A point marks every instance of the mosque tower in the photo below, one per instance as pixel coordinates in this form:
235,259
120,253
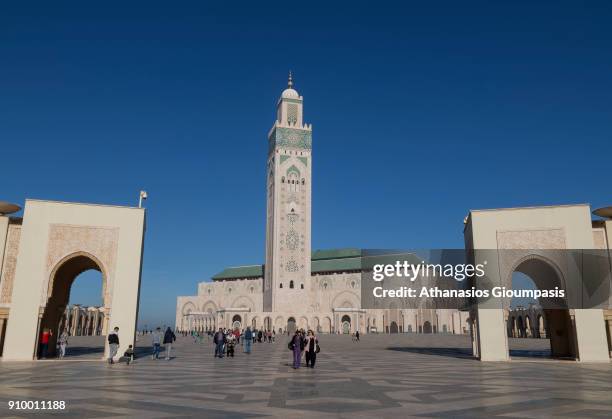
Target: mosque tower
288,212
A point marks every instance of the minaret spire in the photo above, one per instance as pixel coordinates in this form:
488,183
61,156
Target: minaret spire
290,81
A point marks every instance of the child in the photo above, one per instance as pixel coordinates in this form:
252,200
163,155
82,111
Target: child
129,355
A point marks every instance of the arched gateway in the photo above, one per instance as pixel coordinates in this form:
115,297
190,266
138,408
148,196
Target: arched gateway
57,241
527,240
58,292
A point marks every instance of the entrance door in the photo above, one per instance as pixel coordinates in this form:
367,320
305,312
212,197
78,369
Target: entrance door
291,326
236,322
346,324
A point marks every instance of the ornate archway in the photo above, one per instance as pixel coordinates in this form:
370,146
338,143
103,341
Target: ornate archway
538,242
236,322
58,295
267,323
60,240
345,324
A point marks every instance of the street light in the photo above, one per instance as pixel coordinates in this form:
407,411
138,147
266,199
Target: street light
143,196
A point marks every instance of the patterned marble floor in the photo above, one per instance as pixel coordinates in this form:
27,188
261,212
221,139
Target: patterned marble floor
424,376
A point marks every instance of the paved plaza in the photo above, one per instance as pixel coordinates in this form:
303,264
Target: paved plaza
381,376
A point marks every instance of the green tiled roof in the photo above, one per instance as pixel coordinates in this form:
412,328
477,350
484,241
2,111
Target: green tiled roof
332,260
336,265
250,271
336,253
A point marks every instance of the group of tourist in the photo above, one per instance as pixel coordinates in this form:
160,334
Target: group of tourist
62,343
157,339
225,341
167,339
304,343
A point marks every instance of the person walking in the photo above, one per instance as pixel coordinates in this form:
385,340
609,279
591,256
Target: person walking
357,336
248,340
311,345
113,344
63,342
169,338
297,346
219,341
156,340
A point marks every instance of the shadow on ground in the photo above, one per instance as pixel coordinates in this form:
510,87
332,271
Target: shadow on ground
529,354
448,352
84,351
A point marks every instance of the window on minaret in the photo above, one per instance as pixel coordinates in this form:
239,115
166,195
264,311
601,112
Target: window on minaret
294,181
281,285
290,284
292,114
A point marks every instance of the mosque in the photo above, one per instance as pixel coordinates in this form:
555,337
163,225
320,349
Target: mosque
558,246
296,287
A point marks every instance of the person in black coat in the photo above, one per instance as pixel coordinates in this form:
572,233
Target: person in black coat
169,338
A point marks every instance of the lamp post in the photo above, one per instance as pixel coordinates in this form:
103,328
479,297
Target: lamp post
143,196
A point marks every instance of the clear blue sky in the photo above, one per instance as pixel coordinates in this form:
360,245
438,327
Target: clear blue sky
420,110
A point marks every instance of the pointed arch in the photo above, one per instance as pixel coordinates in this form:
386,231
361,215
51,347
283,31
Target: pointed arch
77,263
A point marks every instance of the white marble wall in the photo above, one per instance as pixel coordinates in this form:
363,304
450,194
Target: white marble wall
329,298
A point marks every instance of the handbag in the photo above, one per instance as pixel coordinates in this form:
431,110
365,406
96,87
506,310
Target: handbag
290,346
318,348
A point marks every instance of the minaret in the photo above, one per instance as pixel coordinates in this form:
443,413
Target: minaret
289,168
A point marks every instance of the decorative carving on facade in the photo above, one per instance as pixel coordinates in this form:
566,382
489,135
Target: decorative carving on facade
290,138
100,242
10,263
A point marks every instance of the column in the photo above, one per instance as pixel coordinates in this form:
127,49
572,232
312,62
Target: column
474,335
105,324
96,323
608,323
75,321
2,324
